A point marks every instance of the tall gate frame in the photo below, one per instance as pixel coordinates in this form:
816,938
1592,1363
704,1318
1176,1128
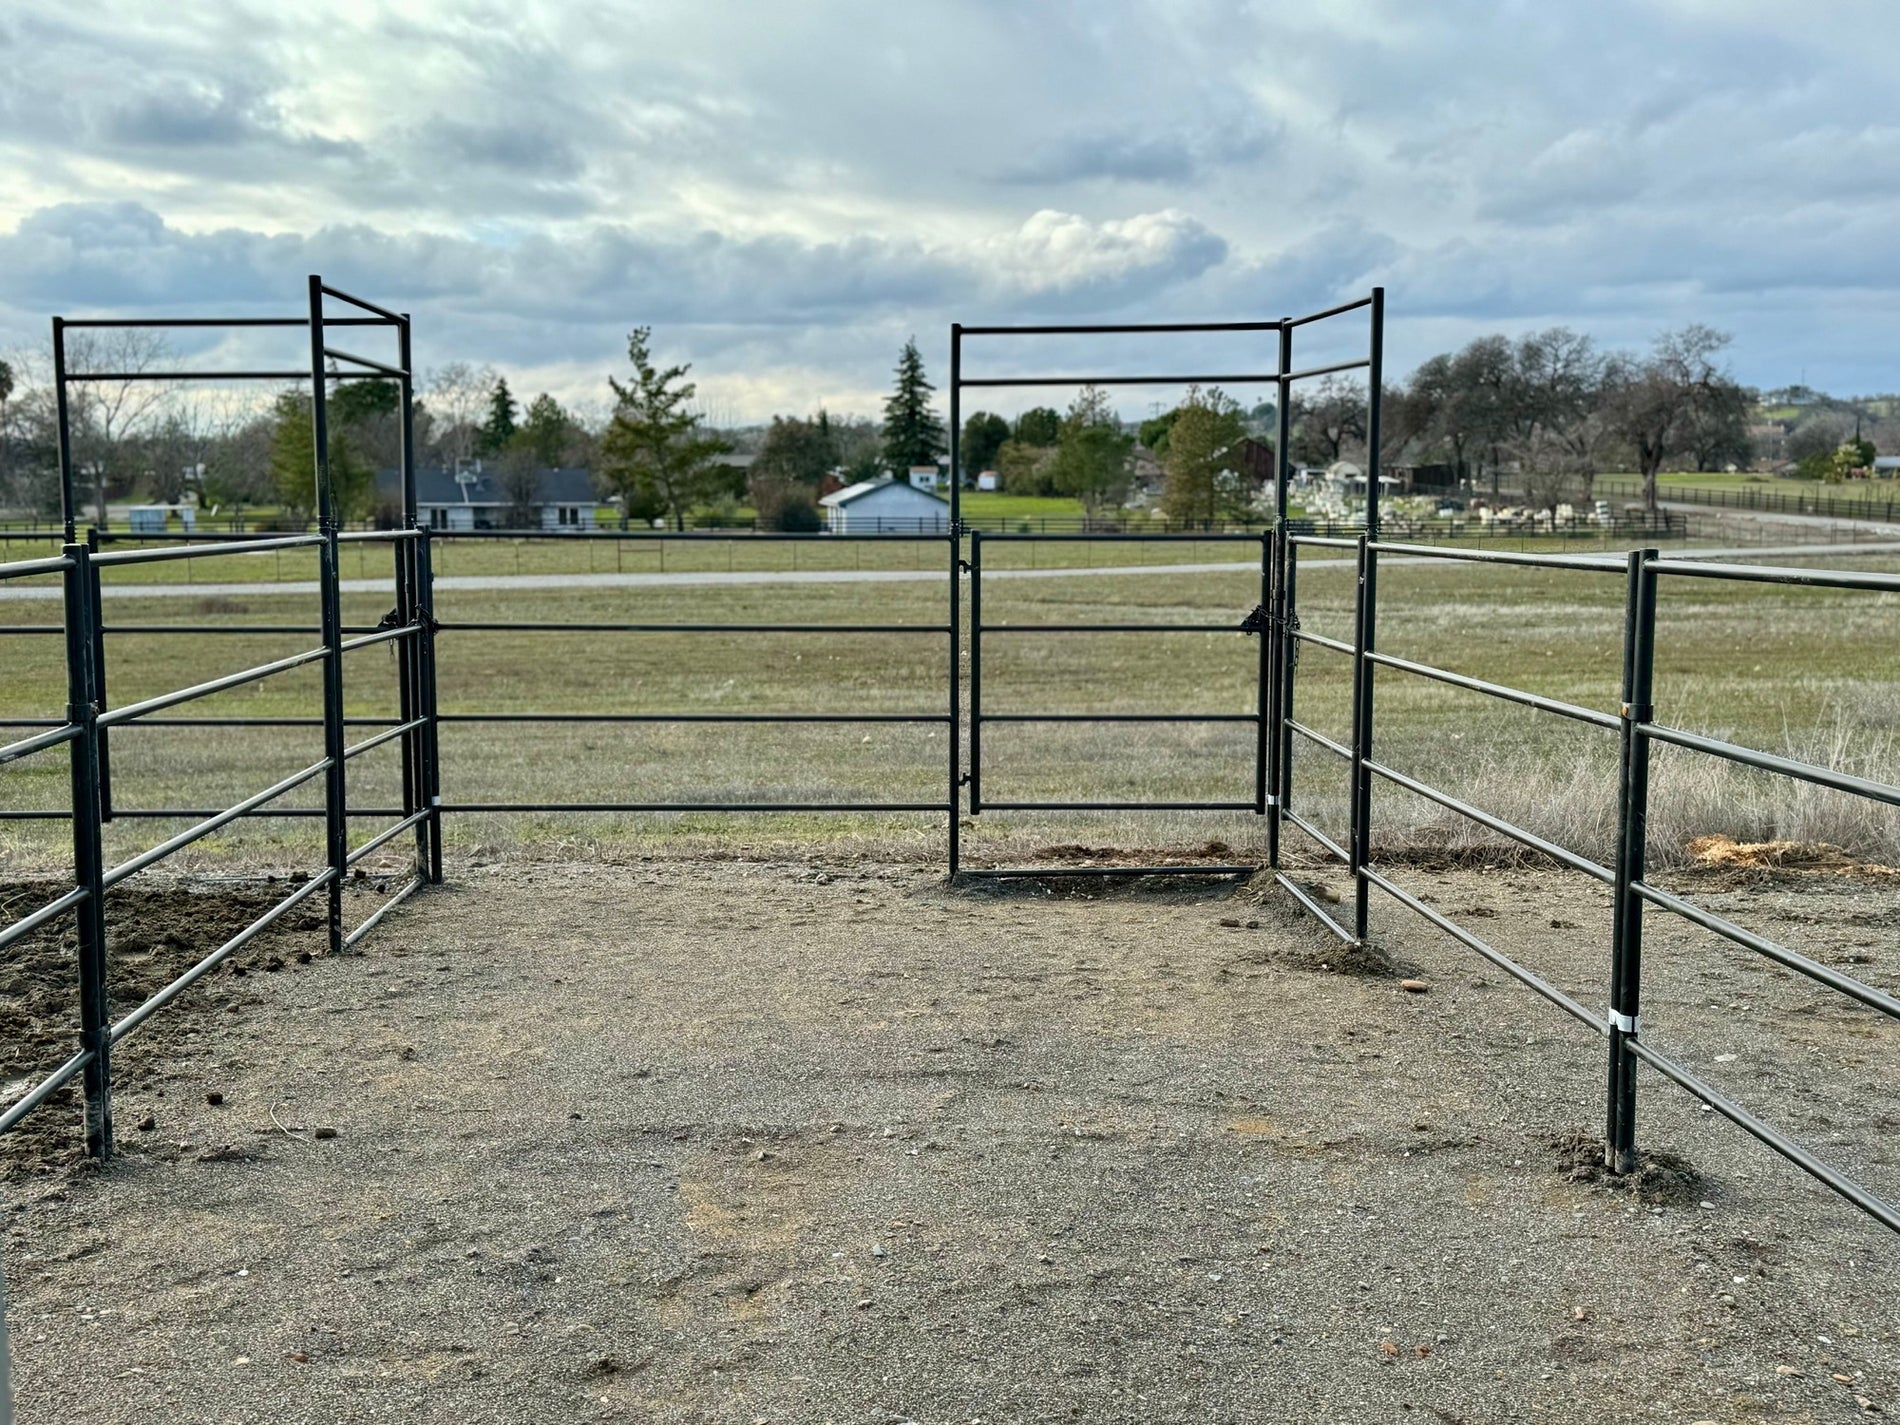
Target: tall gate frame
1268,777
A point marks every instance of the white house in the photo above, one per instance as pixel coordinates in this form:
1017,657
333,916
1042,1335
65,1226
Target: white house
886,506
925,477
989,480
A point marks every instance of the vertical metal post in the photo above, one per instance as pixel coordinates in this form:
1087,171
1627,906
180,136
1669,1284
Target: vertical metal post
6,1357
431,748
1375,381
82,709
1289,661
99,695
63,422
1359,840
956,592
976,672
1632,841
1264,703
1280,604
335,786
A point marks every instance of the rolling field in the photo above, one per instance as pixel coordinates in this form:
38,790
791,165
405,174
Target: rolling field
1806,671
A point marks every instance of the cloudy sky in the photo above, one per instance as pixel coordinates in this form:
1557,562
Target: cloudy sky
786,191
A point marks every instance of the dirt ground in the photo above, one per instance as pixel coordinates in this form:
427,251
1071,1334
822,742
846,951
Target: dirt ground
694,1141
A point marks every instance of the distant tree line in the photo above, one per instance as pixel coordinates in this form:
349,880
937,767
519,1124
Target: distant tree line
1546,412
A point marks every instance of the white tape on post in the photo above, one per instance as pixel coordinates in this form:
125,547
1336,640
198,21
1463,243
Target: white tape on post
1624,1022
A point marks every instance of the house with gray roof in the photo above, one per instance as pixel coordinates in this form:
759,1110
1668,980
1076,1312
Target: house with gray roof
563,499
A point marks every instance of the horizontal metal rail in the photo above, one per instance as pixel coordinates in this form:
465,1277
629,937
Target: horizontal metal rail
1122,329
217,957
1780,574
384,635
1881,1211
1332,846
27,924
706,536
112,558
1000,873
1321,316
210,824
381,536
387,735
233,721
989,805
376,917
1496,823
1228,627
28,568
1120,717
45,1089
695,717
458,626
27,746
661,807
1119,537
1497,690
246,375
388,834
1589,563
132,711
183,323
1339,749
1252,378
380,367
354,301
1320,640
1360,365
179,813
1322,541
1313,907
1495,956
1762,945
1769,762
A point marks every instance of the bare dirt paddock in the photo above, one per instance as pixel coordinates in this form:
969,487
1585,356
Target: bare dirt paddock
738,1142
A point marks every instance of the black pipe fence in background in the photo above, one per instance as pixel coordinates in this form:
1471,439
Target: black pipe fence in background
1830,501
1635,725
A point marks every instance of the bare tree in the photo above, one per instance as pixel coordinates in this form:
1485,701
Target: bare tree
457,396
107,415
1648,403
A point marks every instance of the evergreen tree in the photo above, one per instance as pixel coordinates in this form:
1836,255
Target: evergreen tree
654,452
1092,455
500,427
293,464
1039,425
547,431
912,433
983,436
1203,454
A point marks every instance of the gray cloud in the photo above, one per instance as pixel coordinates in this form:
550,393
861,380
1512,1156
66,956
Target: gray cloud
793,189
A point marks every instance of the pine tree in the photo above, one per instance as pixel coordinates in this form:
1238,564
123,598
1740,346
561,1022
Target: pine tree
912,433
654,452
1203,453
293,464
500,427
547,430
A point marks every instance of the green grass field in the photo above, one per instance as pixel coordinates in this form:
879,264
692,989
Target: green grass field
1781,668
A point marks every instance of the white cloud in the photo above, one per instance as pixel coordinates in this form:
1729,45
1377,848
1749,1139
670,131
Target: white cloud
787,192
